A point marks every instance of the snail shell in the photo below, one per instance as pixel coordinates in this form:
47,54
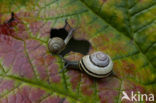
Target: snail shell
56,45
98,65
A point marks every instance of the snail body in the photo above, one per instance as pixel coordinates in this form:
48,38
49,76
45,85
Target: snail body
97,65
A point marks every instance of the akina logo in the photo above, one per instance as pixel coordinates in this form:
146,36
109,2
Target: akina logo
137,96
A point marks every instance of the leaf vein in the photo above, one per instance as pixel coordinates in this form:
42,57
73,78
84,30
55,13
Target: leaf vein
143,10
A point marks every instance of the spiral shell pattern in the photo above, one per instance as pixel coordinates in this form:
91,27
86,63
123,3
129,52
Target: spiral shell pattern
99,59
56,45
98,65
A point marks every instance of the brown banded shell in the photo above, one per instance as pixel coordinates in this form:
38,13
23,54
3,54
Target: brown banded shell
56,45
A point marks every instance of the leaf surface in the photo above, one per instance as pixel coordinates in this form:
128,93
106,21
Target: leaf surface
126,30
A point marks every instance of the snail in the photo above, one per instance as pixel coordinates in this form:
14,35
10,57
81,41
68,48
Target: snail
57,44
97,65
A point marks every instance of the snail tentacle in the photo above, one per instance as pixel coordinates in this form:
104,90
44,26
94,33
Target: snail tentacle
63,68
70,34
66,23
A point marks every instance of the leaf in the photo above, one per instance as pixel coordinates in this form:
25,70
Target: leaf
123,29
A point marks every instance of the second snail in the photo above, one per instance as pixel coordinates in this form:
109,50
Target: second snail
57,44
98,64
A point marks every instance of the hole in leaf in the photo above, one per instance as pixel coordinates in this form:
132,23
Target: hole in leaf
80,46
62,33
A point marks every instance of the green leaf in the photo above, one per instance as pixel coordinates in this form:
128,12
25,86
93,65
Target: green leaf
124,29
